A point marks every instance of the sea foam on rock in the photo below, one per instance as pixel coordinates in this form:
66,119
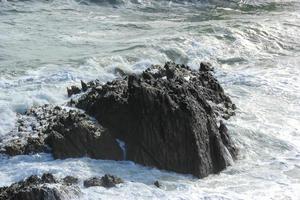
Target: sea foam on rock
48,187
39,188
65,133
107,181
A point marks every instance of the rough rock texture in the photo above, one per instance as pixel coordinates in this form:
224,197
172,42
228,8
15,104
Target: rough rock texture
36,188
73,135
33,145
47,187
73,90
167,118
27,137
65,133
107,181
70,180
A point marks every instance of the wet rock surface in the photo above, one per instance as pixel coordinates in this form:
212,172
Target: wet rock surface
70,180
28,135
48,187
65,133
157,184
74,135
73,90
167,118
107,181
39,188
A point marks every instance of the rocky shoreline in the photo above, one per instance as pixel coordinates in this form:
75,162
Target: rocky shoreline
49,187
167,117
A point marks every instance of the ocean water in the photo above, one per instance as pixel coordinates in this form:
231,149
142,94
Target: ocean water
254,45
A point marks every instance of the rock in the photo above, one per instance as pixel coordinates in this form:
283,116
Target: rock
107,181
95,181
13,149
32,145
84,86
35,145
226,139
71,103
25,138
70,180
67,133
167,118
74,135
157,184
35,188
48,178
120,72
205,67
73,90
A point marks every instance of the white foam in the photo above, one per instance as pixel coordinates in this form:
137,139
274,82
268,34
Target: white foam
256,59
123,147
187,78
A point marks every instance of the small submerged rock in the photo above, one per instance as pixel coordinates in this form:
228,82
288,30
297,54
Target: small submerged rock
157,184
107,181
48,178
70,180
39,188
47,187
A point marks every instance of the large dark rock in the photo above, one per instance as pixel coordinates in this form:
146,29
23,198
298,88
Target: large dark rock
107,181
167,118
36,188
74,135
65,133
